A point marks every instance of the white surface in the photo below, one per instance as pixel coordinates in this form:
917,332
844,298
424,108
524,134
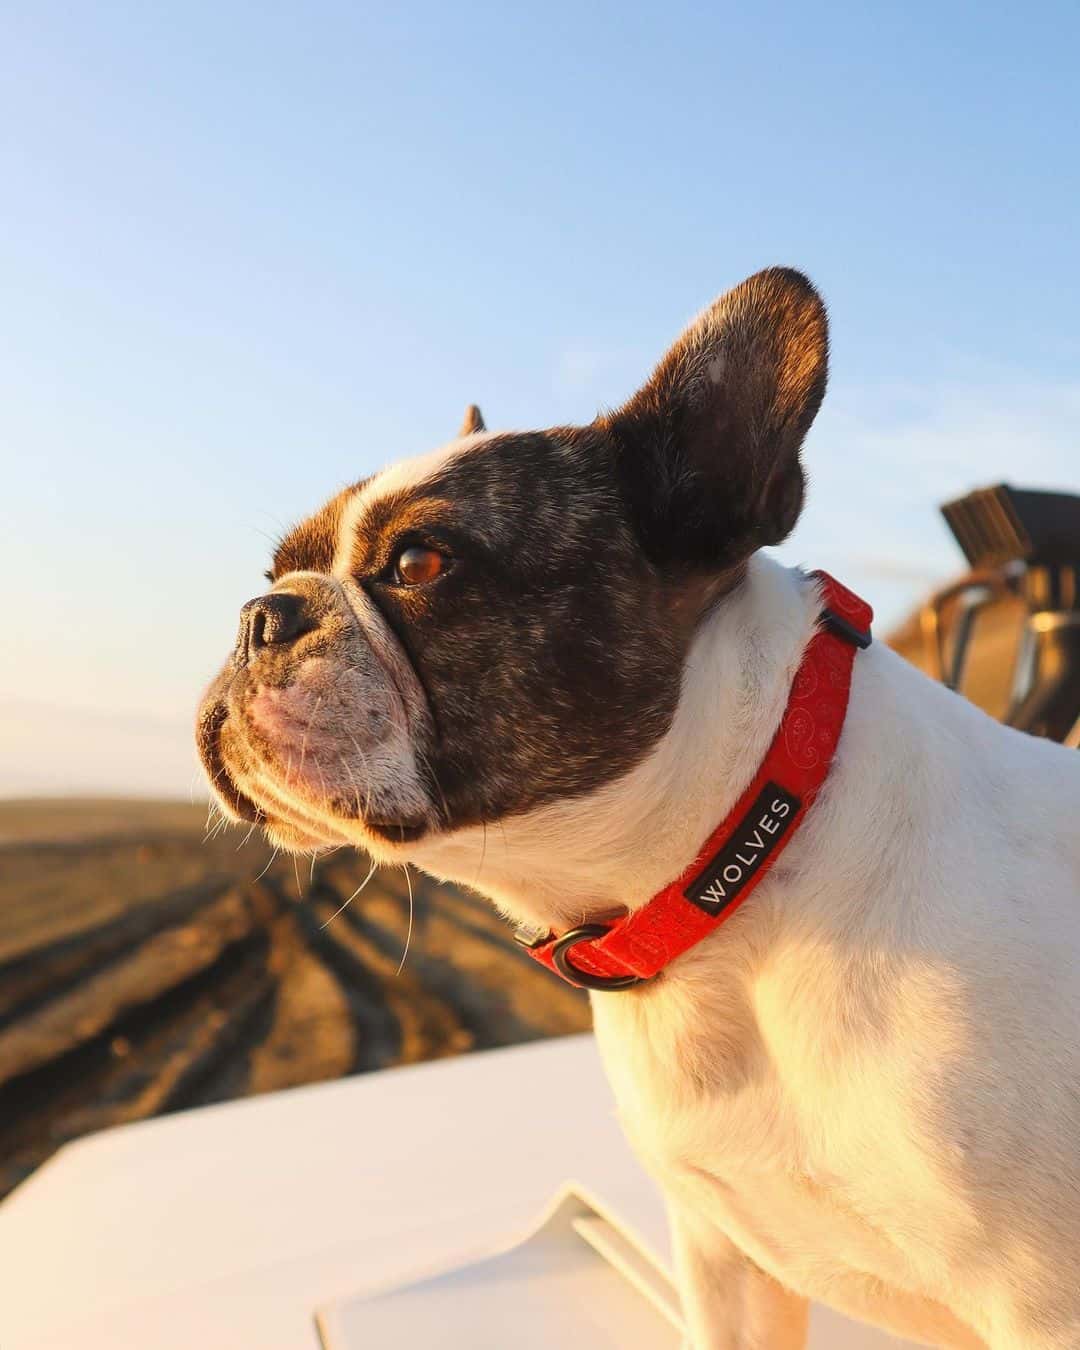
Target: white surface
227,1227
576,1279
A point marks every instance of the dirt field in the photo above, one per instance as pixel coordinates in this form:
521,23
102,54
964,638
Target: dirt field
143,970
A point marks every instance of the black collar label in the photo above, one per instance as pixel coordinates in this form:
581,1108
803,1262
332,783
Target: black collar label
768,820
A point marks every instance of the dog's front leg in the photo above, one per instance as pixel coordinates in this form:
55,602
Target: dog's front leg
729,1303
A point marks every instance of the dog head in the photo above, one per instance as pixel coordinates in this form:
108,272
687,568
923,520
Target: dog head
502,624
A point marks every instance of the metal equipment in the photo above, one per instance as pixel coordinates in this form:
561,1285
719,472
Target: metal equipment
1024,545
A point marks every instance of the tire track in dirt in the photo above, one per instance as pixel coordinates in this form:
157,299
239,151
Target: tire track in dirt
148,971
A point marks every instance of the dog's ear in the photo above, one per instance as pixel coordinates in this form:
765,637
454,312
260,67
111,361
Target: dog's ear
473,422
708,450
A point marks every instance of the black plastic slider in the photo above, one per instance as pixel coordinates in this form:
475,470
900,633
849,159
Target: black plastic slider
842,628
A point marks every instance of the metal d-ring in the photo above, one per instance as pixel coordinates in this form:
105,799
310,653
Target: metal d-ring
560,956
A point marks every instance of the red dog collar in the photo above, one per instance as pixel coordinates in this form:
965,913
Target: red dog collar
739,852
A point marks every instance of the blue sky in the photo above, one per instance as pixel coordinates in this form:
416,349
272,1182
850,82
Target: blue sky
250,252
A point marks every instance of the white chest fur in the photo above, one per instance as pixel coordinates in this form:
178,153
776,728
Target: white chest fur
869,1078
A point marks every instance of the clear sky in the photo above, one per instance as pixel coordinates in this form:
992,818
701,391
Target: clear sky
249,252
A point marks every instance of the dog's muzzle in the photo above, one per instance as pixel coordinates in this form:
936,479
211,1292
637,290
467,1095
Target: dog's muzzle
317,718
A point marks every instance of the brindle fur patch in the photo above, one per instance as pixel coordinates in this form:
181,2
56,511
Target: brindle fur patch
551,650
309,546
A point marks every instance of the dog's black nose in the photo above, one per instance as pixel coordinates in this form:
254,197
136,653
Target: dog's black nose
271,620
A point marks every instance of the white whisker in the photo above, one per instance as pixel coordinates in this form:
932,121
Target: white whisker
213,818
307,733
367,773
268,865
217,829
246,837
408,935
356,787
341,908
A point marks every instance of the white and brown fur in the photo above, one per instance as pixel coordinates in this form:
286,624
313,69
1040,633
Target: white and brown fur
865,1087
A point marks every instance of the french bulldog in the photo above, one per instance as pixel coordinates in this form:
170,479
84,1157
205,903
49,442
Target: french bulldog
545,665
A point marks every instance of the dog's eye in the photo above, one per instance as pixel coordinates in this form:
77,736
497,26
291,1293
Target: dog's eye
417,565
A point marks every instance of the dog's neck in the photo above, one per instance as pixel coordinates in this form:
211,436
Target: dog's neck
614,849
